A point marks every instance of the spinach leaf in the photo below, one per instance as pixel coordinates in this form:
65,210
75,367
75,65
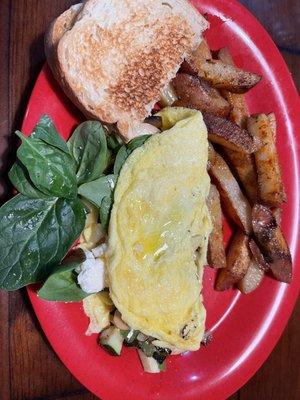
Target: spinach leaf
105,209
100,193
62,284
51,170
126,150
114,142
20,178
121,157
46,131
89,148
35,235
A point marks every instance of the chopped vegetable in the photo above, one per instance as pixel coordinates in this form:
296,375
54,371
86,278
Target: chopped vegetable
111,340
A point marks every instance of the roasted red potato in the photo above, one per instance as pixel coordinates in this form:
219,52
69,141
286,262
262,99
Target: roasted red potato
224,76
216,248
270,186
234,201
272,243
239,110
238,261
228,134
194,92
252,279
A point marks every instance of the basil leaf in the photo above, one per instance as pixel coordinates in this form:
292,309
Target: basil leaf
126,150
51,170
20,178
36,234
97,191
62,284
46,131
89,148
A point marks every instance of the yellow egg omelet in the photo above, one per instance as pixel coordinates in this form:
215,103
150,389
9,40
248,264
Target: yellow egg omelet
158,232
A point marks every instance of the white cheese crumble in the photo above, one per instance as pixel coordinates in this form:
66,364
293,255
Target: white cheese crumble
92,275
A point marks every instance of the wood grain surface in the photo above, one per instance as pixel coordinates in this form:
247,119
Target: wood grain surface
29,369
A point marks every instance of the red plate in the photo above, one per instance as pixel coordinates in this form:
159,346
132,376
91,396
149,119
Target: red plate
245,328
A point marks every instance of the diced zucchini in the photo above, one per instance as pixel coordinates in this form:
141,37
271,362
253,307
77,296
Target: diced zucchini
130,335
150,364
147,348
112,340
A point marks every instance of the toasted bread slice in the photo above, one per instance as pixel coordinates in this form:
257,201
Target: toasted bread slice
119,56
56,31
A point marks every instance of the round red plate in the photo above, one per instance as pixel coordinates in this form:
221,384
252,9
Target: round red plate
245,328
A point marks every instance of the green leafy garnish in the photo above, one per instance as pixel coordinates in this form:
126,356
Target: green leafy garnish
88,147
100,193
51,170
20,178
46,131
62,284
126,150
36,234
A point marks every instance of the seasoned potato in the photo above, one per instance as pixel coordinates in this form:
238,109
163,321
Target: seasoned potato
258,256
243,164
238,261
232,198
216,248
244,167
239,110
228,134
272,242
270,186
194,62
224,76
202,52
196,93
277,212
252,279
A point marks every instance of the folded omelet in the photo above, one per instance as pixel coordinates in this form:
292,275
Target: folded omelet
158,232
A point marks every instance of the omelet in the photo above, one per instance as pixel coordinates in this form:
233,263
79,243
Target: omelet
158,232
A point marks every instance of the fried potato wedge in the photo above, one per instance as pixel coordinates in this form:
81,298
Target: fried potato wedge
228,134
258,256
270,186
216,248
224,76
272,242
277,212
238,261
234,201
202,52
195,60
243,164
194,92
239,110
244,167
252,279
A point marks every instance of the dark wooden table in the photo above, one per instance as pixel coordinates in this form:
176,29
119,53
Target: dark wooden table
29,369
